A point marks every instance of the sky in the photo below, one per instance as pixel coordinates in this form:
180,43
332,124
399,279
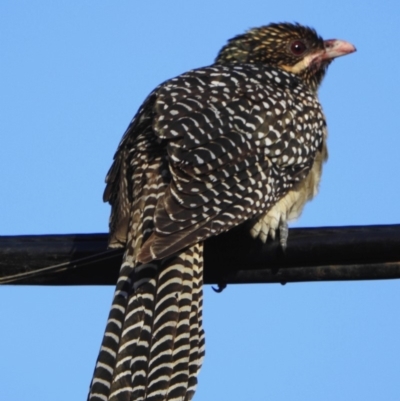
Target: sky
72,75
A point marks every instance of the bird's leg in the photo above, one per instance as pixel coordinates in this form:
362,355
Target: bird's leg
283,233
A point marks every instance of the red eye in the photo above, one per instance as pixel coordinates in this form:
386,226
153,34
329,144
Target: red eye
298,48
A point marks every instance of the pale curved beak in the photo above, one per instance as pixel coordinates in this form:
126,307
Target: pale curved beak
336,48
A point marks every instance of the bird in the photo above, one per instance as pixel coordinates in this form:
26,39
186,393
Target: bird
242,140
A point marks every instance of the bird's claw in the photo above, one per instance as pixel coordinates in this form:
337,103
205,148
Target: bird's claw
220,288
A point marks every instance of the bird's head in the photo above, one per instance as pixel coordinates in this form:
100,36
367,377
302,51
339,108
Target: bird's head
292,47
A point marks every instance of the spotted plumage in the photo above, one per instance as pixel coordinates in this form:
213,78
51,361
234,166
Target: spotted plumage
243,139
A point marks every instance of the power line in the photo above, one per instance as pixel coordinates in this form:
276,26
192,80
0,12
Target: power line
313,254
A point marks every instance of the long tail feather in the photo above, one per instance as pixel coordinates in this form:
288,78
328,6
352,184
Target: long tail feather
153,346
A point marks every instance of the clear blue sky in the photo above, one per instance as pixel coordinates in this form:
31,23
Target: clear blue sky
72,76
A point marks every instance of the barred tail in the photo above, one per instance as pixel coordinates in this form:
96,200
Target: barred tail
153,346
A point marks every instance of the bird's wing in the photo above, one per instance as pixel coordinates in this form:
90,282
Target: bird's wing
134,170
237,138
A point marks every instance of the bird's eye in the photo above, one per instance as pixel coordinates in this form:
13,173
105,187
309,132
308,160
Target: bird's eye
298,47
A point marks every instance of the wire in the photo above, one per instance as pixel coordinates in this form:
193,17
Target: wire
14,278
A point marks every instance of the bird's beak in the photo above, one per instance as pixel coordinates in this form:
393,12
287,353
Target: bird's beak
336,48
333,48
